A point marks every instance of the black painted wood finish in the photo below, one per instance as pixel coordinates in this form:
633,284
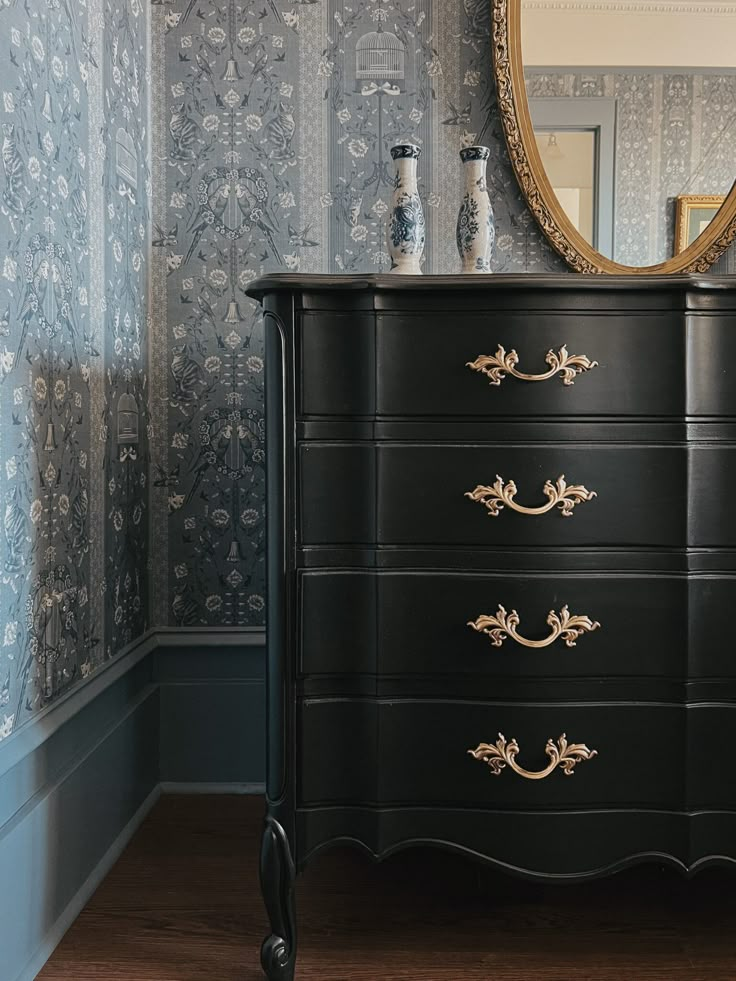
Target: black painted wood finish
378,561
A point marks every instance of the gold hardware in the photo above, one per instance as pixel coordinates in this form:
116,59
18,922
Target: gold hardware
561,753
504,625
497,366
560,494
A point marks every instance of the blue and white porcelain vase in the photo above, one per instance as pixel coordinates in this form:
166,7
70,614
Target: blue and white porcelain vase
407,233
476,228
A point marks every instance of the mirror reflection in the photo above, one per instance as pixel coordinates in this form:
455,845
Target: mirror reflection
633,104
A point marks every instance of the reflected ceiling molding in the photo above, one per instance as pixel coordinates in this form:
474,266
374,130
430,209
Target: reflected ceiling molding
634,7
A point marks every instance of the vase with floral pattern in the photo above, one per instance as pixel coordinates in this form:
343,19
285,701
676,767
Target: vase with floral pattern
476,228
406,234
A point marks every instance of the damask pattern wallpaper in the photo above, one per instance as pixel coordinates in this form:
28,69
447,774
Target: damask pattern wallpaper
675,134
277,119
74,224
158,156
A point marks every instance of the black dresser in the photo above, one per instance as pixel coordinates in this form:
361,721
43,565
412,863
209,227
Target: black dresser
502,572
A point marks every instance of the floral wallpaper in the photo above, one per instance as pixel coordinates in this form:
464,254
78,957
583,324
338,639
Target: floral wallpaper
74,222
677,130
274,121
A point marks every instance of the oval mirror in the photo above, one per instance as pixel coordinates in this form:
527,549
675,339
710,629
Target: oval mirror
620,119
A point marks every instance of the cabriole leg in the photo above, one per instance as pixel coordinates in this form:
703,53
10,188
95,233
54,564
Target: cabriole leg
278,953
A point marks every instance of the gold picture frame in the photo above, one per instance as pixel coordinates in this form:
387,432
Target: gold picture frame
580,255
693,214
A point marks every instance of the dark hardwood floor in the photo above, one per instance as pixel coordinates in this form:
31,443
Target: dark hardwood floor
183,904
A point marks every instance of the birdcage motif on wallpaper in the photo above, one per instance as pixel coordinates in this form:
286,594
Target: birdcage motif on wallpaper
128,418
379,55
126,158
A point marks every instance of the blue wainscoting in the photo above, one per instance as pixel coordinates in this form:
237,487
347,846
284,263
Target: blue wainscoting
179,711
213,710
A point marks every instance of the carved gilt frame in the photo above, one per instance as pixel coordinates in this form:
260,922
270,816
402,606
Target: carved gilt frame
685,204
513,106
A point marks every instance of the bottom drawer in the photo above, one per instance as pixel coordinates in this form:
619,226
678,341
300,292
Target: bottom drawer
411,751
572,844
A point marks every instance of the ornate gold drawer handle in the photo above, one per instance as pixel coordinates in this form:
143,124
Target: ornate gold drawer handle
560,494
504,625
561,753
497,366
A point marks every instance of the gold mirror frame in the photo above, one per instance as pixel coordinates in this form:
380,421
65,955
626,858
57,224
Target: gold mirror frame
508,68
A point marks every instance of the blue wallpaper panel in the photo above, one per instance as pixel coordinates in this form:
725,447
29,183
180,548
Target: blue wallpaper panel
276,126
73,335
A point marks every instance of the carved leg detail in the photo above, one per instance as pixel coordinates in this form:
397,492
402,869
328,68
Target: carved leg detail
278,954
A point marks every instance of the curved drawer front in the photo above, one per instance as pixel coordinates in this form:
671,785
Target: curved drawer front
529,364
711,364
711,739
572,843
408,751
442,623
402,494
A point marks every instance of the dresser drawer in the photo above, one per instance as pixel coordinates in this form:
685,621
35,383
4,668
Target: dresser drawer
418,624
407,751
409,494
711,364
711,728
468,364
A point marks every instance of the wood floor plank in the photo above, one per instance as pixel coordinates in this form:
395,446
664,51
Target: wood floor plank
183,904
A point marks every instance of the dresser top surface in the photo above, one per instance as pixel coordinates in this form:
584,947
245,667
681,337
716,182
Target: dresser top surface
527,282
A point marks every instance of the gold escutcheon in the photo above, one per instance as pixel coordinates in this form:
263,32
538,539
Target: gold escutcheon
497,366
559,494
561,754
564,624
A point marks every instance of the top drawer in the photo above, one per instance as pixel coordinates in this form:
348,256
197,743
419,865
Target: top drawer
493,363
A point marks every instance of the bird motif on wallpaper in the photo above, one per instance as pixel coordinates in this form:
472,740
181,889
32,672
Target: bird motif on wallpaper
216,204
187,374
233,202
79,512
279,133
78,215
73,31
66,317
300,239
164,238
14,169
33,300
204,69
479,17
184,134
206,310
254,212
15,530
166,478
187,11
457,117
48,292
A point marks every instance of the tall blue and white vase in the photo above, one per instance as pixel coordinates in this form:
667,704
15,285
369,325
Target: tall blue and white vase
476,228
407,232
